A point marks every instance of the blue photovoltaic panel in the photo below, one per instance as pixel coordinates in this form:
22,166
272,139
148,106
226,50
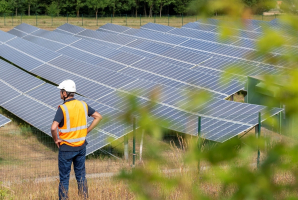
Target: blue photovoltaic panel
8,91
4,120
38,106
194,25
6,37
84,86
27,29
73,29
19,58
53,100
116,28
158,27
15,77
44,55
115,55
64,39
207,130
34,113
213,48
42,42
103,76
17,33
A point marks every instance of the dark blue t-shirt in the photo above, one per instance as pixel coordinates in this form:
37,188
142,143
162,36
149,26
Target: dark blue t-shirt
60,119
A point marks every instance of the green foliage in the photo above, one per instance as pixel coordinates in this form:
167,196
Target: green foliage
4,7
53,9
230,167
97,4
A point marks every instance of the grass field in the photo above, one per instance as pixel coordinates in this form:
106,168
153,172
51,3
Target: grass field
28,168
51,23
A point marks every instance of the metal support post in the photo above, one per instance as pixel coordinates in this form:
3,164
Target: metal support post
258,133
196,17
21,18
4,19
111,19
134,143
36,18
140,20
67,17
154,18
262,17
232,97
52,19
279,119
12,19
82,20
96,20
168,20
141,145
126,20
199,138
182,19
126,147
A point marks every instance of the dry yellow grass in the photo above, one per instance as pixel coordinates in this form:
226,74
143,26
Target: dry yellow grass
49,23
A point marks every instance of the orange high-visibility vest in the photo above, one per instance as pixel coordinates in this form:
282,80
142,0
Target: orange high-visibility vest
74,130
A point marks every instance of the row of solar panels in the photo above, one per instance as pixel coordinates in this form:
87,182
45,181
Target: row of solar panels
4,120
158,68
169,94
219,116
191,40
36,102
249,29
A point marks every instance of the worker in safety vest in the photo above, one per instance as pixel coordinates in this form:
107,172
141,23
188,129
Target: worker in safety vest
71,119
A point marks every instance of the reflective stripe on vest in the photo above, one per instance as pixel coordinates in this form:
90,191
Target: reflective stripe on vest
68,129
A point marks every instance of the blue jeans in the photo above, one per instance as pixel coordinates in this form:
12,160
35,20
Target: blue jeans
66,158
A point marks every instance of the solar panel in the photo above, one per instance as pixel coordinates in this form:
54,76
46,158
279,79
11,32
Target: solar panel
246,38
38,106
15,77
170,111
10,94
86,51
201,46
4,120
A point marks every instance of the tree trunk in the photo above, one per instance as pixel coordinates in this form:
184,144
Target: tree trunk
150,11
160,9
145,12
168,10
113,11
78,12
96,13
16,11
29,10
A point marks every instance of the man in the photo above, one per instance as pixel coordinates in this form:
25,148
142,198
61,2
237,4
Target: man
71,118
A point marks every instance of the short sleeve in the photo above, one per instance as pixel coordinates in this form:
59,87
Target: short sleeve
59,116
91,111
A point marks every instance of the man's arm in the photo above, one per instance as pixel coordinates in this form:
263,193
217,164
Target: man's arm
97,117
54,133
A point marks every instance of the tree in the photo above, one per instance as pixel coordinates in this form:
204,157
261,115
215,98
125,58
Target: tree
34,3
151,3
115,5
53,9
16,5
181,6
4,6
97,4
79,4
128,5
163,3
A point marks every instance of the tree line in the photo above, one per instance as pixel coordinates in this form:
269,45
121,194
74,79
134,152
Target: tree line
147,8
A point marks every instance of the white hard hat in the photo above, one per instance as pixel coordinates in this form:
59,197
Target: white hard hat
68,86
